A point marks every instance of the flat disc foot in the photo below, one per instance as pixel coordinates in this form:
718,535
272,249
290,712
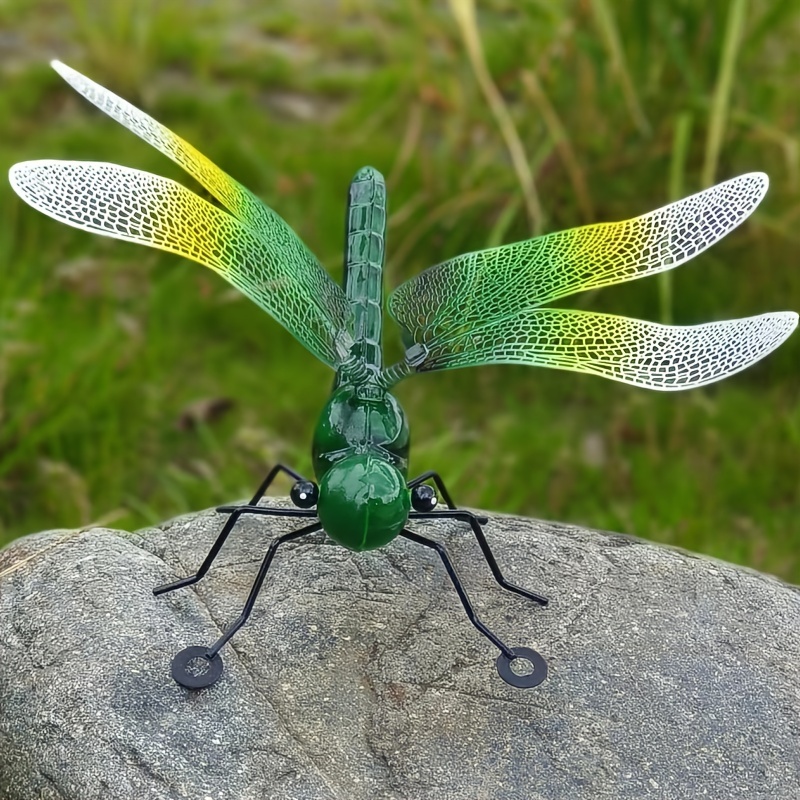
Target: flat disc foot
193,668
528,680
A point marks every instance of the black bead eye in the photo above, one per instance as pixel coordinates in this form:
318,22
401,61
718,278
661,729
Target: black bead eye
305,494
423,498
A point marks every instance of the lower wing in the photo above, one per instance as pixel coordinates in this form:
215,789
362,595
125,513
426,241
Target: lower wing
646,354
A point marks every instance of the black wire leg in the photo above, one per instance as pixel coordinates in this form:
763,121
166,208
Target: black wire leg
473,520
235,512
475,523
507,654
199,667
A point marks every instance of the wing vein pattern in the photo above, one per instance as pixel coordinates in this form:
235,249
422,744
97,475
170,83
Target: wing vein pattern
140,207
646,354
499,282
330,316
485,307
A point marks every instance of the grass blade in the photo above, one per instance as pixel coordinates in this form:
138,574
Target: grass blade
464,13
722,91
562,143
677,169
608,29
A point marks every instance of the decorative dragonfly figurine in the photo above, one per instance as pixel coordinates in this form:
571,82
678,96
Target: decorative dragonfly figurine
479,308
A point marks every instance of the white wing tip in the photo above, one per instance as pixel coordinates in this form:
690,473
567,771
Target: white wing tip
754,175
759,180
780,323
775,328
71,76
22,168
17,171
789,318
24,175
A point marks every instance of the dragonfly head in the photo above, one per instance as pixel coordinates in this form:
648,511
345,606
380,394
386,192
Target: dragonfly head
363,501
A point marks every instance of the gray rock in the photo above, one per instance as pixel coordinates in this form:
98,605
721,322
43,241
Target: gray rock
359,676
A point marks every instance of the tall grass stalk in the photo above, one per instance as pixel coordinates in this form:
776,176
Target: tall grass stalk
562,143
464,13
677,170
608,29
734,30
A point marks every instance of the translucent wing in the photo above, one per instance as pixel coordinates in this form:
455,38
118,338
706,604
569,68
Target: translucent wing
140,207
632,351
500,282
290,261
240,201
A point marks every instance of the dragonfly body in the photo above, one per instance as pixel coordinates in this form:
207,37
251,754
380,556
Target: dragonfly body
360,447
485,307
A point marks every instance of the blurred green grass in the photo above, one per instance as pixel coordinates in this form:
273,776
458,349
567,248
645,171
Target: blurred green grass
105,347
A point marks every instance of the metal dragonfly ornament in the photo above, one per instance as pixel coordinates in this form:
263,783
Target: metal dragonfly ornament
479,308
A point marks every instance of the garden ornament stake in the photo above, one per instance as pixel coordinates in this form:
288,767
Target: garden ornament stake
479,308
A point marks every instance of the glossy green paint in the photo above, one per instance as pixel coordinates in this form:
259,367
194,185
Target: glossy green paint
360,446
365,241
350,423
363,501
368,435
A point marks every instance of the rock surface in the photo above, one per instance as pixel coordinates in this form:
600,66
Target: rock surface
359,676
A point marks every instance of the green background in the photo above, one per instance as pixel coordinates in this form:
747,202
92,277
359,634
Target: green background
135,386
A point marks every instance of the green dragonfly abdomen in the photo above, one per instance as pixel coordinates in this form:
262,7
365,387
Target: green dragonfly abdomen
363,501
363,264
360,455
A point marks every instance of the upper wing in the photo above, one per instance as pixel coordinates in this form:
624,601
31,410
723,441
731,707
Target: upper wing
273,271
492,284
239,200
666,357
290,261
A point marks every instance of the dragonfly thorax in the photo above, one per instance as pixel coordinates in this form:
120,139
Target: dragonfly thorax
360,454
354,421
